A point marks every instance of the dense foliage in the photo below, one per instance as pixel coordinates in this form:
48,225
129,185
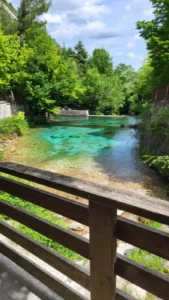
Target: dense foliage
156,33
43,75
11,125
154,130
154,139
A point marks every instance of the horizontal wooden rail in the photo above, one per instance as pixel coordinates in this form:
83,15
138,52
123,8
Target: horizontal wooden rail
52,202
155,209
66,238
148,279
143,237
120,295
40,274
63,265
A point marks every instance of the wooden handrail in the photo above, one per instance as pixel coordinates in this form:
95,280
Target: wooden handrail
143,237
52,202
148,207
58,234
65,266
105,229
42,275
148,279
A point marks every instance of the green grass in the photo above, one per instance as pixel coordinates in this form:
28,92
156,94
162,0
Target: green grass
149,260
150,223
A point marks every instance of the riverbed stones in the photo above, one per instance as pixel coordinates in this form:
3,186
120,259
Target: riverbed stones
13,150
76,226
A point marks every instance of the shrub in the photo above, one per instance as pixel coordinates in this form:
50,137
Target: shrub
154,132
14,125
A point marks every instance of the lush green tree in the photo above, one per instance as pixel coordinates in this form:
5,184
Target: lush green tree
81,56
102,61
67,86
28,11
156,33
41,64
103,94
70,53
128,77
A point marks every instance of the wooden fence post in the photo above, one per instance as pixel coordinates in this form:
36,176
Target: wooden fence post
102,221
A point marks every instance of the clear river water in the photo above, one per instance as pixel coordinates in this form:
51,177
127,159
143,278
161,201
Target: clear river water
99,149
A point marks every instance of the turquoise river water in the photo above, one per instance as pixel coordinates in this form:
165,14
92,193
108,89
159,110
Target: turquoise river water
100,149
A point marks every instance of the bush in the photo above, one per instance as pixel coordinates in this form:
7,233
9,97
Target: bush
154,132
14,125
160,163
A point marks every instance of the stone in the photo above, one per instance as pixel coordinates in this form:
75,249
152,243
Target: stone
84,263
86,236
125,249
166,264
76,226
120,212
137,292
120,282
59,216
13,150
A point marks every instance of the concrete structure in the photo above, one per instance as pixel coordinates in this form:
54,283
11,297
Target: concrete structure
8,109
74,113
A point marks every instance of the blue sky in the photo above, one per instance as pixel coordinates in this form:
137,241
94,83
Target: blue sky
101,23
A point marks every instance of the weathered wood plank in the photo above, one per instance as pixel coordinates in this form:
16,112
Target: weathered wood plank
150,280
143,237
102,220
60,205
54,232
65,266
141,205
120,295
40,274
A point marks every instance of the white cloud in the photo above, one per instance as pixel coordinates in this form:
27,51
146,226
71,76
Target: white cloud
132,55
141,7
130,45
128,7
51,19
136,36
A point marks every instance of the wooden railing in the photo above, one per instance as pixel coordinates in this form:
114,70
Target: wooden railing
105,229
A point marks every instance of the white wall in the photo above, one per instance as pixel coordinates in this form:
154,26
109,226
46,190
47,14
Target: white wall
9,109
